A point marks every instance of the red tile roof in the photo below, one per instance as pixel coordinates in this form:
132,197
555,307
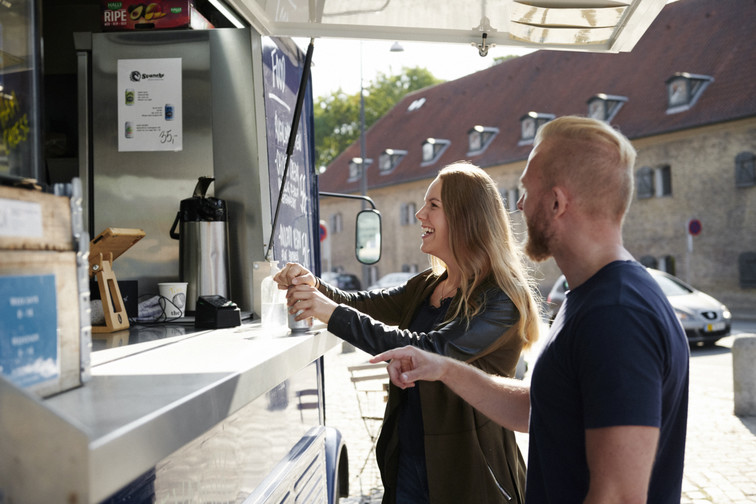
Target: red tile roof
709,37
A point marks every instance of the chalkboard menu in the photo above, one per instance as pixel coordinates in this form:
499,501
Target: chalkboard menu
296,232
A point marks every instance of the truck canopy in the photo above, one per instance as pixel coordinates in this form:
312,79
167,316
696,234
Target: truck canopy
583,25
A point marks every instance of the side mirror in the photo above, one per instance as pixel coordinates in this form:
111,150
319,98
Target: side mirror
367,237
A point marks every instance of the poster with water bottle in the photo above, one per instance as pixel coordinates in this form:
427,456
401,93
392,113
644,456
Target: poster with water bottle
149,105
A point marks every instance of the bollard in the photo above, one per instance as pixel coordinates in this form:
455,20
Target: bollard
744,374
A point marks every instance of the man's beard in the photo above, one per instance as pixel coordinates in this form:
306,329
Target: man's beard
539,234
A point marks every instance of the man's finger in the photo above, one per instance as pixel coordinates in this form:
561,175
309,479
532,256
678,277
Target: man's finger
395,353
395,373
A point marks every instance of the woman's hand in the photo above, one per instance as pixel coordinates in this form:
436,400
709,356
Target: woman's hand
308,301
294,274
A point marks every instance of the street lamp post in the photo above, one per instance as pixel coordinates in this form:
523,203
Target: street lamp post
364,163
363,154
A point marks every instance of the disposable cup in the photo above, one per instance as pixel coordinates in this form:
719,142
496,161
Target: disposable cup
172,299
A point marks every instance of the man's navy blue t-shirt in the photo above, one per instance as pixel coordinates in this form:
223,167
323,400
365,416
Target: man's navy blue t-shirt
616,355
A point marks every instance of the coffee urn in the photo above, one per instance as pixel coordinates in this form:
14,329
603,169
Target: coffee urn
203,244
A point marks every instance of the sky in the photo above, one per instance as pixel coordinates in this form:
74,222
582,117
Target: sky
336,62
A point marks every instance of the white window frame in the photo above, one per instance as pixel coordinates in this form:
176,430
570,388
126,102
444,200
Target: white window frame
389,159
433,148
485,134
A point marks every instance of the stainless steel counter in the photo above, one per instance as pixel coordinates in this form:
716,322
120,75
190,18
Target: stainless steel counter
144,402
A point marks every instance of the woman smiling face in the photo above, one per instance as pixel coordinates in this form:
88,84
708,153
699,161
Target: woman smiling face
432,218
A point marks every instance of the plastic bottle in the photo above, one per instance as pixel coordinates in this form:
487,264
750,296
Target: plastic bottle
273,303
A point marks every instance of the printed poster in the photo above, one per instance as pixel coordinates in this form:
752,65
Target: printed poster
149,105
29,330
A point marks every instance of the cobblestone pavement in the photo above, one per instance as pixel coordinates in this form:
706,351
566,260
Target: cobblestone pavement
720,459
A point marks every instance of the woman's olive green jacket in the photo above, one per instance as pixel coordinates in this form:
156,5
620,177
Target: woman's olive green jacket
470,459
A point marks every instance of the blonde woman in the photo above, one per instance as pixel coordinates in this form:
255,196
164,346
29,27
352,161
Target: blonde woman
475,304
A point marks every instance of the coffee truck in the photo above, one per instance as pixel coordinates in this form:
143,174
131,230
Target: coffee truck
101,144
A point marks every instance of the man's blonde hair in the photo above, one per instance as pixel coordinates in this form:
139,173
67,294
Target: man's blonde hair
593,160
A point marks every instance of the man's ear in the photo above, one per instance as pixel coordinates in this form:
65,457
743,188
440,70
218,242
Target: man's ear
560,200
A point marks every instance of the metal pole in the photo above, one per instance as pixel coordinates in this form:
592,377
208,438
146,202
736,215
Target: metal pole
363,163
363,149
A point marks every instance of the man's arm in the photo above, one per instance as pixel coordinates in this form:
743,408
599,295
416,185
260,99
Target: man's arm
504,400
619,463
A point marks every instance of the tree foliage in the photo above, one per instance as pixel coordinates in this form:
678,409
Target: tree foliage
337,116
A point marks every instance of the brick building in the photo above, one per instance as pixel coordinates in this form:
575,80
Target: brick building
686,98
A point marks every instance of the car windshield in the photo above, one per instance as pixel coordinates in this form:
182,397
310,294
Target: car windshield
670,287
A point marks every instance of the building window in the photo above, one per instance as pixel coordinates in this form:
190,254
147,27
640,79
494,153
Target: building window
644,180
407,214
663,181
433,148
529,124
667,263
356,168
514,197
684,89
604,107
337,223
389,158
510,197
649,261
664,263
747,270
653,182
409,268
745,169
415,105
479,138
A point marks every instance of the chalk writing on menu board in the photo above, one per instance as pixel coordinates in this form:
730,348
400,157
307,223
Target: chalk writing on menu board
293,236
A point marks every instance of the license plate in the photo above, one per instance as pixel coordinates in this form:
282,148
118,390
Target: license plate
718,326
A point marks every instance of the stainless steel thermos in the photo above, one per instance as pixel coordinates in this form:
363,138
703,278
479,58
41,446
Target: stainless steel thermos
203,244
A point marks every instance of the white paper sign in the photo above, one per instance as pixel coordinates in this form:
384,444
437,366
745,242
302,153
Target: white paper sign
149,105
20,218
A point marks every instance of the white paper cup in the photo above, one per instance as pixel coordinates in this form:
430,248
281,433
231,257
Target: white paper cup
172,299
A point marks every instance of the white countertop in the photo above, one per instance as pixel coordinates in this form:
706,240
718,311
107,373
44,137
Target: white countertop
147,400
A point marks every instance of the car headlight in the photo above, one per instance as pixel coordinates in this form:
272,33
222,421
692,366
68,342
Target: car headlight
683,315
726,313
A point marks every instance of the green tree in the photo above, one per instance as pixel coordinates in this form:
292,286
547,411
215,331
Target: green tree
337,116
502,59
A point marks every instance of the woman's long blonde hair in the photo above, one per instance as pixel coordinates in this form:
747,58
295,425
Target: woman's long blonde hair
482,244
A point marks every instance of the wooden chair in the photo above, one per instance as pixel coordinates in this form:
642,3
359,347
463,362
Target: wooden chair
371,383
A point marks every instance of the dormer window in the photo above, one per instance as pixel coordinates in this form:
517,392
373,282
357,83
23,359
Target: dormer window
389,158
415,105
479,137
356,168
604,107
529,124
684,89
433,148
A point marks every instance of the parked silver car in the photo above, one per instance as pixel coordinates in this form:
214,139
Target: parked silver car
344,281
391,280
704,319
